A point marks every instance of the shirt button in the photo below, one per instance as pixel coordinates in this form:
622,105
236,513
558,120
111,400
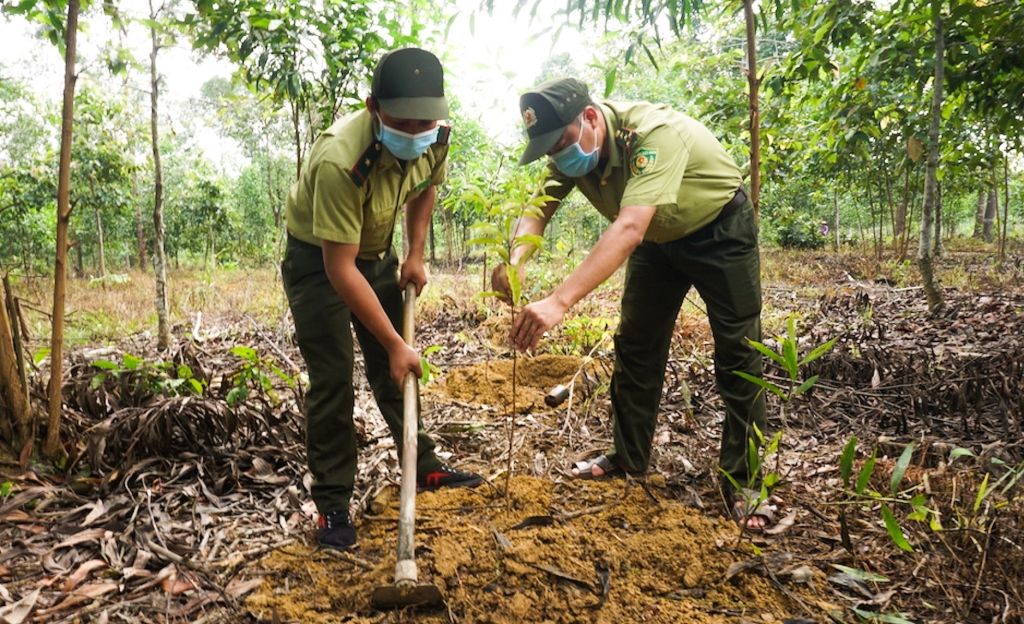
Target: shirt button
604,182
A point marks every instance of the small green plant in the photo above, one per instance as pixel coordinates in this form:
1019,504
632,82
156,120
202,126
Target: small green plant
977,516
861,494
251,376
430,371
149,378
758,448
521,198
584,333
787,358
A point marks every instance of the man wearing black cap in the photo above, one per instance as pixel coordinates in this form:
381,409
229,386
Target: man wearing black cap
340,271
681,218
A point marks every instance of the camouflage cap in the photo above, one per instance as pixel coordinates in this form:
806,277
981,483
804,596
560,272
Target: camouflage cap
547,110
409,84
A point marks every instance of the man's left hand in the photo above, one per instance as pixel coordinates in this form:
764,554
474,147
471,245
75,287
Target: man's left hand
414,271
533,321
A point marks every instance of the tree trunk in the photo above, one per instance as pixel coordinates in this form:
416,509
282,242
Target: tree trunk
433,243
163,332
925,260
835,220
140,228
1006,207
52,446
99,244
979,215
16,421
991,210
754,83
938,220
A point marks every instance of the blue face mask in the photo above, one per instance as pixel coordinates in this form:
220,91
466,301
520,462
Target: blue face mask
403,145
573,162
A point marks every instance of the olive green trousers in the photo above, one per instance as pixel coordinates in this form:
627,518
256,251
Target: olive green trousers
323,328
722,262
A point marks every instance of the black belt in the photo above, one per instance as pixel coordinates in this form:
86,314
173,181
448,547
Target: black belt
733,204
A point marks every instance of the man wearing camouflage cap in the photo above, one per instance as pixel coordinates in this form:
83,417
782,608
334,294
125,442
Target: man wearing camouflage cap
340,271
681,218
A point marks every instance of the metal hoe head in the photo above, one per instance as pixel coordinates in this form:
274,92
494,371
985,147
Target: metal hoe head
405,595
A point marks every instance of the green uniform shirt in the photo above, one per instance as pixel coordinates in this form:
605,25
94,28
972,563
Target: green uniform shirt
351,188
658,157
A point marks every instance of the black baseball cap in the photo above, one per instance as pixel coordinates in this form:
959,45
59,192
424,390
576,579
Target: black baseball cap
409,84
547,110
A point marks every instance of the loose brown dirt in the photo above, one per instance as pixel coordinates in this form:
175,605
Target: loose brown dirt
661,561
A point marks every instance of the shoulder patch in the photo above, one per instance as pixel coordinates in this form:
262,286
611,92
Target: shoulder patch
624,138
444,133
361,170
643,161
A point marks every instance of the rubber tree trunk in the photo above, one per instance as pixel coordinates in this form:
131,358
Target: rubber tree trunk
163,332
925,250
51,445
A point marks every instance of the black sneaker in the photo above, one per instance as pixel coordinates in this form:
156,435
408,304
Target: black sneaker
335,530
446,476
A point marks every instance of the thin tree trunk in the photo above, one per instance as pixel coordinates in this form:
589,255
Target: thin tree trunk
939,251
925,260
979,215
754,83
163,333
16,424
99,244
1006,207
140,229
52,446
835,220
991,210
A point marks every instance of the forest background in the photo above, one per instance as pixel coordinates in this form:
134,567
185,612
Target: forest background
889,132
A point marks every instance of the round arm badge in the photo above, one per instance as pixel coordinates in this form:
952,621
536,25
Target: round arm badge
643,161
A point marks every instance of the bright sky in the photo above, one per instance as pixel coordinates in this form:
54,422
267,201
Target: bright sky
492,65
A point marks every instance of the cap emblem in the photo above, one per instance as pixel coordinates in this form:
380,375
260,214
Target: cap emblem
529,118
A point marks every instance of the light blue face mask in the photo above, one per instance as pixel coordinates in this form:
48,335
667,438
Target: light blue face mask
574,162
403,145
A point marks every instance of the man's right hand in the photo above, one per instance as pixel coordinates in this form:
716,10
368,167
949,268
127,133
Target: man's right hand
403,360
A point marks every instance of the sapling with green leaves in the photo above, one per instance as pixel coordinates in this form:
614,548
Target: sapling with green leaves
519,197
758,448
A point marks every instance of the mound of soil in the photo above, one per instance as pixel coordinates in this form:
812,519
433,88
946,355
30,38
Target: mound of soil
578,551
490,382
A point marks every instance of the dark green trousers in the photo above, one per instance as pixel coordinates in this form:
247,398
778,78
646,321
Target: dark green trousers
722,262
323,327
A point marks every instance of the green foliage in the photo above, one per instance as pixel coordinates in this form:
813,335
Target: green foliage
143,379
788,359
795,230
758,449
253,376
584,333
430,370
519,197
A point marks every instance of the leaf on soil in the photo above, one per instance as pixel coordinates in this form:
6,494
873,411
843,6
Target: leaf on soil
17,612
782,525
565,576
82,573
